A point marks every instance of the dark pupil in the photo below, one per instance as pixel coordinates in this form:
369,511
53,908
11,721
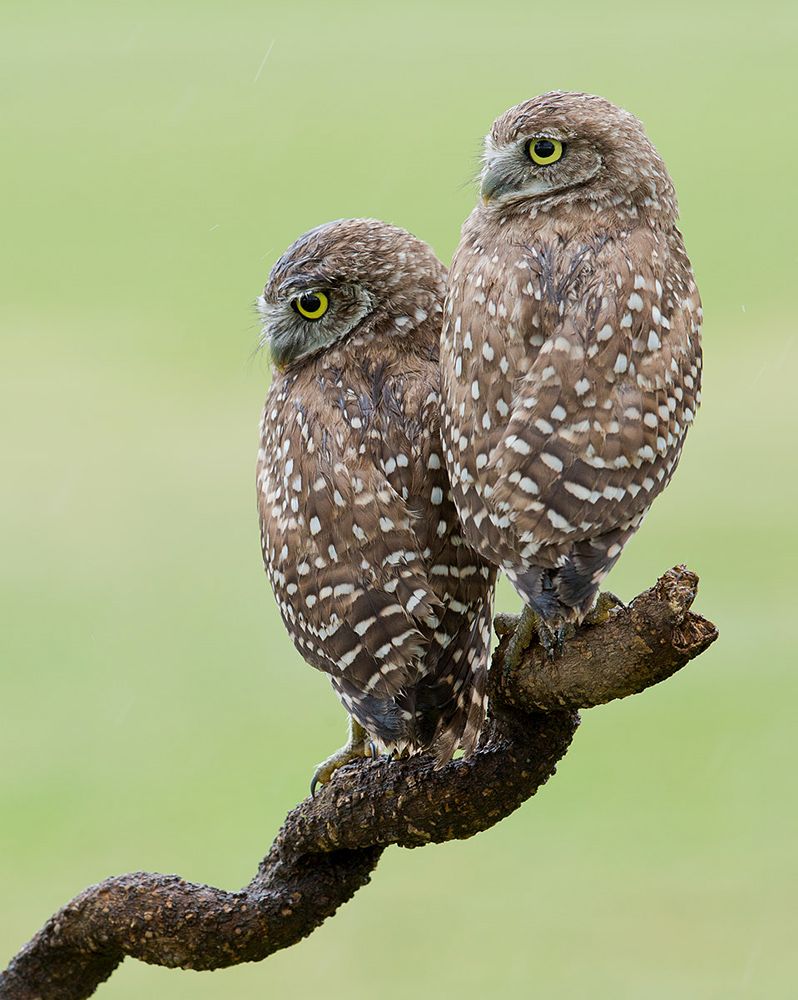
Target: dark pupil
544,148
310,302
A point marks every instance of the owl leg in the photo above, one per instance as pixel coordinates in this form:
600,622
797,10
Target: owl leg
531,626
600,612
358,745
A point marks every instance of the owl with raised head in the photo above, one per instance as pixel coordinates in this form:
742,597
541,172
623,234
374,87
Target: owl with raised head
571,356
359,534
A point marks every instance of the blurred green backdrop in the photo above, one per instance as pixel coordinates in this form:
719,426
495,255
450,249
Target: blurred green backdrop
157,159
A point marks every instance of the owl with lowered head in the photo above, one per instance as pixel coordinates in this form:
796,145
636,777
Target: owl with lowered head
571,356
360,538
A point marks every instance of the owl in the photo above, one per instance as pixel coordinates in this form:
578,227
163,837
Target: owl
571,356
360,537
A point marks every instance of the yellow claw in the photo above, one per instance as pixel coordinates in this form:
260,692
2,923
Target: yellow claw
358,745
532,626
606,603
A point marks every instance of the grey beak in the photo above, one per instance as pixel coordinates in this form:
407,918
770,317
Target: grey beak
493,183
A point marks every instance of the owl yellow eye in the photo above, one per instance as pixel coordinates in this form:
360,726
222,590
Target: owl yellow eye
311,305
545,151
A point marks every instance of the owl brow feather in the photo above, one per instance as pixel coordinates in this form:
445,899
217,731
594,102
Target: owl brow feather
308,279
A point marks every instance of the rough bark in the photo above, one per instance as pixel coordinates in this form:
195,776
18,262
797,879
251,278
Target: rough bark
328,846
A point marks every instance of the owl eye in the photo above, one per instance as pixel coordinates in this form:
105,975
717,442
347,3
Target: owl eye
545,151
311,305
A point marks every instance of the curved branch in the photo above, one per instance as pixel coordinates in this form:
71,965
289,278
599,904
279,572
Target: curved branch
328,846
636,647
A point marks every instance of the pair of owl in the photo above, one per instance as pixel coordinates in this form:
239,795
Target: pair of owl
423,431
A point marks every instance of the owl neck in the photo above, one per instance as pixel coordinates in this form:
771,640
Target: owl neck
571,218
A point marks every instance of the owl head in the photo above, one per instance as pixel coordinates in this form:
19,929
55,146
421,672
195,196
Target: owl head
344,279
564,148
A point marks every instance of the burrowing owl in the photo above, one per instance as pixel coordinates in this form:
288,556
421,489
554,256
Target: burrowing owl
360,538
571,358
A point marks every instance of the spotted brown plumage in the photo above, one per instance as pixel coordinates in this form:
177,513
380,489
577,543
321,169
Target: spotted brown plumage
360,537
571,358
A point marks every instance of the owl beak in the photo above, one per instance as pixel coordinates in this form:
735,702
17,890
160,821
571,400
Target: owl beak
493,184
278,358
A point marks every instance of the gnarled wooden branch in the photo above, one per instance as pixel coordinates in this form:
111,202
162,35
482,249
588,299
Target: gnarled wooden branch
328,846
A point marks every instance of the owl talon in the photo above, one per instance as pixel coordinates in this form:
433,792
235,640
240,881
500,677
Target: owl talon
531,626
552,639
606,603
358,745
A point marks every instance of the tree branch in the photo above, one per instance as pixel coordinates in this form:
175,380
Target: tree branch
328,846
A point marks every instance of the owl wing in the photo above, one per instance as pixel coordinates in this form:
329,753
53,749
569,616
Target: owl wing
363,547
356,593
596,423
340,541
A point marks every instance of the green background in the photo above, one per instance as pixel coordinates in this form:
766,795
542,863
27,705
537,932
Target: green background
153,714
